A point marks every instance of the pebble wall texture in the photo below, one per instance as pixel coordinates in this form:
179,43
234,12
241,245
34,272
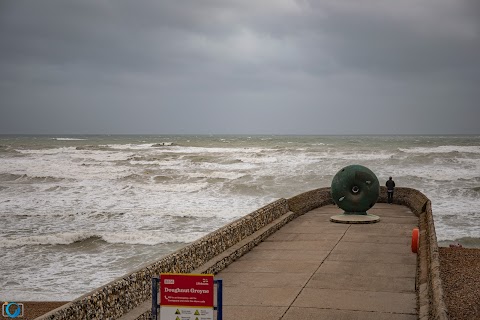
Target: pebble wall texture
235,239
310,200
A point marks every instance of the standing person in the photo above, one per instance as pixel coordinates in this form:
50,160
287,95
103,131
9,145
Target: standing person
390,187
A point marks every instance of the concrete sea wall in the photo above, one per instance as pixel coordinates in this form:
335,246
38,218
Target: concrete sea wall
215,251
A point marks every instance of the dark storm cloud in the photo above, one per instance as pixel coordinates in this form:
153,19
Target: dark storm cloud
274,66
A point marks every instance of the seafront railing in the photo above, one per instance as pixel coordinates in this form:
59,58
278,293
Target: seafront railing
215,251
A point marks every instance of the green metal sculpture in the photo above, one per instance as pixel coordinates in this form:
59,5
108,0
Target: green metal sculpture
355,189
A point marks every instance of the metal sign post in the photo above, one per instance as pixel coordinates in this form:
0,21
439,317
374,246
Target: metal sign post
155,283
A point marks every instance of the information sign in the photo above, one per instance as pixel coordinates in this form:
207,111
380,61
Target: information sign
186,296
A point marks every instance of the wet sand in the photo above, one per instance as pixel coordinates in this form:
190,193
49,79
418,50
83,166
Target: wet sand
460,273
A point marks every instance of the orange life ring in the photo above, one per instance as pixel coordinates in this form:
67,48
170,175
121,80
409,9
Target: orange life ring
415,240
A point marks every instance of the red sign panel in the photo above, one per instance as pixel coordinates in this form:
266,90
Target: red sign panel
194,290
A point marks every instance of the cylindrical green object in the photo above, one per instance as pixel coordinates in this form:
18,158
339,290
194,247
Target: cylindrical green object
355,189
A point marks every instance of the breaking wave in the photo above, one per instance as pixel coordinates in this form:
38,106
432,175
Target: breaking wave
69,139
9,177
8,150
94,147
136,238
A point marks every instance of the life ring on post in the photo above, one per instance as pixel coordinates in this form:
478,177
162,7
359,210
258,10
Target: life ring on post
415,240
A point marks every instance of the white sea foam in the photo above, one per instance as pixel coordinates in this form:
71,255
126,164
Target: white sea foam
233,167
217,175
200,150
256,159
178,187
442,149
359,156
50,151
69,139
130,146
437,172
167,163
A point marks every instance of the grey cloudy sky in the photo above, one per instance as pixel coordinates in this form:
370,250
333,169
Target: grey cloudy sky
240,66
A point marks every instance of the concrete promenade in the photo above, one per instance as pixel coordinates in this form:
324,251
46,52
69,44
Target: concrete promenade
315,269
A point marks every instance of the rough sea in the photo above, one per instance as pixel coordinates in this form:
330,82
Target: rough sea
78,211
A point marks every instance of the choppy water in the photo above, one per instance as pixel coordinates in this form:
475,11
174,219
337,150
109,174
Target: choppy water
78,211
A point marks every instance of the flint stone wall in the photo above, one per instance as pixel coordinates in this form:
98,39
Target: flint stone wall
124,294
310,200
411,198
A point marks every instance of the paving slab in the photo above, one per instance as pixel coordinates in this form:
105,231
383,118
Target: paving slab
318,246
369,247
259,313
265,279
391,302
375,238
295,313
385,228
321,220
305,237
405,259
246,296
312,229
391,210
291,255
400,220
272,266
361,282
315,269
369,269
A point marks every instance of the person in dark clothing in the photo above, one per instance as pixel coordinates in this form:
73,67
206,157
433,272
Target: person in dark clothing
390,187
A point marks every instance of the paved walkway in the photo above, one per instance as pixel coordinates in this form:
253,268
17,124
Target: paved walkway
315,269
